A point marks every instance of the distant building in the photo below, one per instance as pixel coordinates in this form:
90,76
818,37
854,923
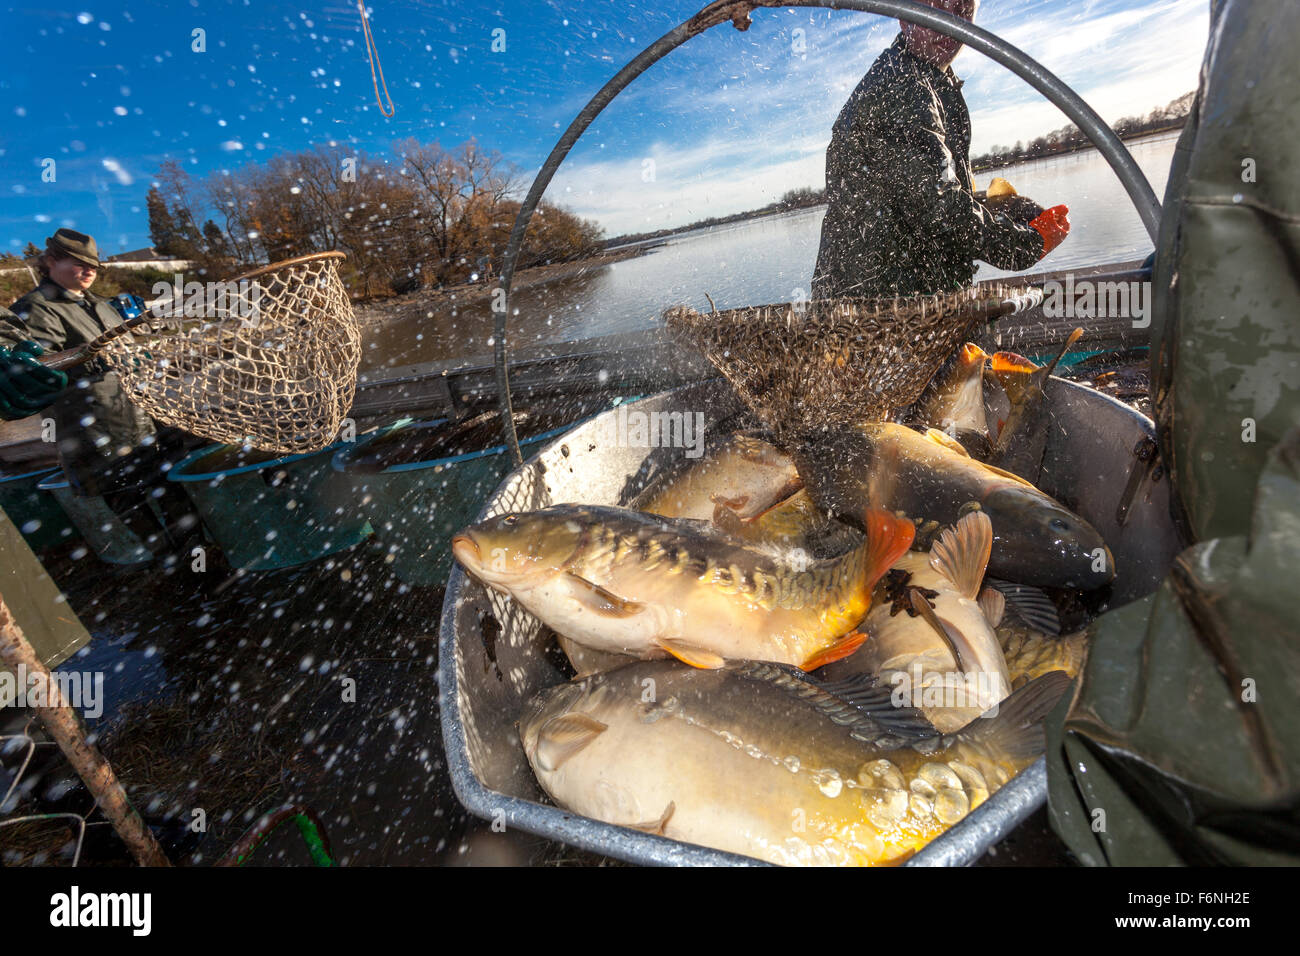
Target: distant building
148,258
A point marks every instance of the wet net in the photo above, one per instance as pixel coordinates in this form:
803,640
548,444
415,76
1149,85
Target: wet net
804,366
268,358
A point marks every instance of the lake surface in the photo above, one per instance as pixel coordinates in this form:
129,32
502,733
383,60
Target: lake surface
763,261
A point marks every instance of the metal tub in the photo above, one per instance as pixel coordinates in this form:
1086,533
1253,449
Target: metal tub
493,656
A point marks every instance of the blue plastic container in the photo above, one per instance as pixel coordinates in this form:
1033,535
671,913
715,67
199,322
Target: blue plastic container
267,512
35,513
421,482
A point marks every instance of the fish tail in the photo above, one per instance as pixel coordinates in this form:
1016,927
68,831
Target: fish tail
1014,727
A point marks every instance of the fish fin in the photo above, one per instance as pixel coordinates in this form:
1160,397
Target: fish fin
1051,366
922,607
1000,187
947,441
875,711
603,602
993,604
842,648
1030,604
656,826
888,538
962,552
1015,726
1015,373
564,736
972,354
1008,474
692,654
861,703
1012,363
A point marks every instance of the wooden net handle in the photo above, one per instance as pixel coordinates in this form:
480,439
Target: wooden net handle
81,354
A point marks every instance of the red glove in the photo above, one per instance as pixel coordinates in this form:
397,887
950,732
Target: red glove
1053,225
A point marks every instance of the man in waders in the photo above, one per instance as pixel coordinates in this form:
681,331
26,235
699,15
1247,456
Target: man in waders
901,214
107,446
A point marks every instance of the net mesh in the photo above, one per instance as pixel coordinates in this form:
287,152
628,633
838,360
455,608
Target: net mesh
803,366
268,359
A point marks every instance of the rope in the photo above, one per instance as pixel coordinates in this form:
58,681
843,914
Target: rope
373,52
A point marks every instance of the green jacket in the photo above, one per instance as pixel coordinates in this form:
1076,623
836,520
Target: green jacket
901,215
97,430
1179,744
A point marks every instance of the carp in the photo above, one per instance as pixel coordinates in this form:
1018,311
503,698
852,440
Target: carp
624,582
756,760
930,476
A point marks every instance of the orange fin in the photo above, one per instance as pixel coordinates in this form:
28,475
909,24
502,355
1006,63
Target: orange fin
888,538
1013,363
1015,373
962,553
841,649
692,654
972,354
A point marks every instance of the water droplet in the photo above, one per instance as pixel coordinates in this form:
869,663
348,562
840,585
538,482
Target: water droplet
829,783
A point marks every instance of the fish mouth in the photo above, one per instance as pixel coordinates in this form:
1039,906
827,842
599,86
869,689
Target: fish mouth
467,552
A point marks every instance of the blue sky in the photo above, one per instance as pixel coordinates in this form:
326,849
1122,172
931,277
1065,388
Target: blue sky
731,120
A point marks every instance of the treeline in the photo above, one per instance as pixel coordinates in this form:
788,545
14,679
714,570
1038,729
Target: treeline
1070,138
428,216
800,198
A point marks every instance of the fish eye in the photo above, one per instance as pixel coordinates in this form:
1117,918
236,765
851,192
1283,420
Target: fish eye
1056,524
510,520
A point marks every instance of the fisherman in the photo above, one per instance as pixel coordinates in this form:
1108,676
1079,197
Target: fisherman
106,445
901,215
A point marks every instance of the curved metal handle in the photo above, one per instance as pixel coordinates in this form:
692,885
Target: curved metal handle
737,12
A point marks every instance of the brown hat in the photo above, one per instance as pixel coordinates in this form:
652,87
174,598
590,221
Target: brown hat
78,245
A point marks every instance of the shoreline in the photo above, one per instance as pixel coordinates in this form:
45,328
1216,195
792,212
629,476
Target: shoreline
377,310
